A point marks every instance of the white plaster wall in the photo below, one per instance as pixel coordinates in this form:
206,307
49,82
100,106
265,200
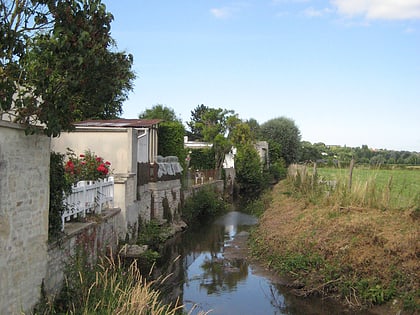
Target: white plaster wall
24,202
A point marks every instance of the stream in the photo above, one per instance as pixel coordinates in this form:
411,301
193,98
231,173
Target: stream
209,272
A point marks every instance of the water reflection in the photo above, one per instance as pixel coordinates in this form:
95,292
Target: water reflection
206,277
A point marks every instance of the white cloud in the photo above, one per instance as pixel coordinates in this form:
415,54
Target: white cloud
379,9
312,12
221,13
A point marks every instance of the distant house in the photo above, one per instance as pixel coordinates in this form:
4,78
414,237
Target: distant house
123,142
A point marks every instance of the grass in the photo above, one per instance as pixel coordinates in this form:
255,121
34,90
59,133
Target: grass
383,189
359,245
106,288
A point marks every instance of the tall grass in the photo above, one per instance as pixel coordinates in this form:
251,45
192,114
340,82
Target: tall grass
109,288
374,188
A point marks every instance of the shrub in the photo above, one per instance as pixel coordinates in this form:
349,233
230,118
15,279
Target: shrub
171,140
203,205
87,166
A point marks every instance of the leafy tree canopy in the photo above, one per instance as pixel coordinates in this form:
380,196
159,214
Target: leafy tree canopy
286,134
58,64
160,111
213,125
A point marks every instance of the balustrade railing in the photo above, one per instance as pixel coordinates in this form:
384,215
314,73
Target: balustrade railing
88,197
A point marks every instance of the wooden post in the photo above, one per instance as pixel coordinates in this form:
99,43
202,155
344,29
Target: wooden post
314,174
351,172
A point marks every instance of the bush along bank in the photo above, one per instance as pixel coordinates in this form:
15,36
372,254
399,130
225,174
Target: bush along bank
363,256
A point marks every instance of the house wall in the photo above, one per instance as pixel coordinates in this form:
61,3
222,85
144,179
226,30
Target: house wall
24,202
113,144
118,146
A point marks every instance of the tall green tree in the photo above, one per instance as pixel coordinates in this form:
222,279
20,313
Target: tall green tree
284,133
68,69
195,130
249,172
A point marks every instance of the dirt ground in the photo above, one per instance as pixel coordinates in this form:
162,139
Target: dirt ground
380,246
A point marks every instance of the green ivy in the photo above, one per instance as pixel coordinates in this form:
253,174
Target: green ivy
58,186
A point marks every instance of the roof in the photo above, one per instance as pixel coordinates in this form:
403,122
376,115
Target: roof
121,122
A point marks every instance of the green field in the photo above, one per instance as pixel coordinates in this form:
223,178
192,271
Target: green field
385,188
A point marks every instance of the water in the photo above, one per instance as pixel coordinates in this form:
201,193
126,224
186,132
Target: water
209,272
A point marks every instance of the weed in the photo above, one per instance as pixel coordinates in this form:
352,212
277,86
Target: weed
152,233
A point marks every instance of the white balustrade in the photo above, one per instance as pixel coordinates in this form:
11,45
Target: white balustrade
88,197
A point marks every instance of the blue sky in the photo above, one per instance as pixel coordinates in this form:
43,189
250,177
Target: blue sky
346,71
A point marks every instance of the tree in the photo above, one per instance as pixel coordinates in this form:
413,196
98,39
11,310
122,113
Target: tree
194,132
213,125
249,173
68,70
254,127
309,152
160,111
286,134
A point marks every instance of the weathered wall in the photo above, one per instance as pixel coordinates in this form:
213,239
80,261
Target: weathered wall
24,202
96,238
113,144
154,197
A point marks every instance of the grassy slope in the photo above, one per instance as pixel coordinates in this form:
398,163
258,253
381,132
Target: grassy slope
363,256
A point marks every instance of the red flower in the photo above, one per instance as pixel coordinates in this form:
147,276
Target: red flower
98,159
101,168
82,155
70,165
108,163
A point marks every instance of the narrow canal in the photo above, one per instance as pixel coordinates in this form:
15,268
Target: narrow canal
209,272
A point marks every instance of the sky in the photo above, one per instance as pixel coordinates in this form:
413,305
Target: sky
347,72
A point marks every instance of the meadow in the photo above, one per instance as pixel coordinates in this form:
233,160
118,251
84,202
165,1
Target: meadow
370,187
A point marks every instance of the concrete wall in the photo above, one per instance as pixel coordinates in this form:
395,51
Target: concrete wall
24,202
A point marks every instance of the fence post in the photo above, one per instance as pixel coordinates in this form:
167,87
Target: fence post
351,173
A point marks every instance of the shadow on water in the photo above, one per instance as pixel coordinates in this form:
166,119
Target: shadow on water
206,276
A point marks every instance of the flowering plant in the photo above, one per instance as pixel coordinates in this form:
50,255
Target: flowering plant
87,166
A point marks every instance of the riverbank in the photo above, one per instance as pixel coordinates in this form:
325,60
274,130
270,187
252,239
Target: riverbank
363,257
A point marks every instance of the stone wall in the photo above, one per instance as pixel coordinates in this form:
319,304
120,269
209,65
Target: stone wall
95,238
159,200
24,202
